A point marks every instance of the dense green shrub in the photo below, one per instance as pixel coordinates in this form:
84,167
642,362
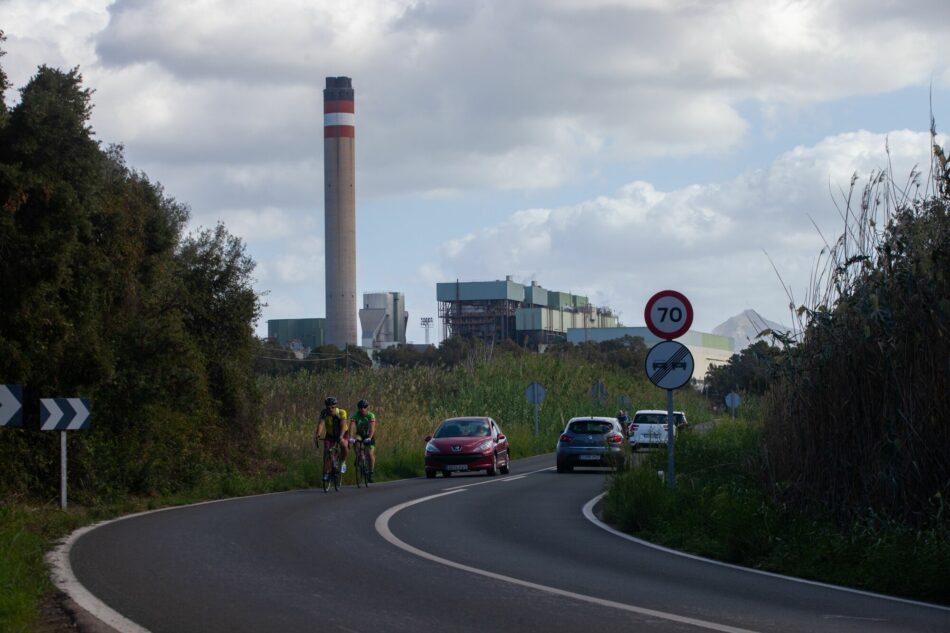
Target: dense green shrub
105,298
858,418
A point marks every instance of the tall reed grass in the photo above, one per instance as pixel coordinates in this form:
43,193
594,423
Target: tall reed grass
857,423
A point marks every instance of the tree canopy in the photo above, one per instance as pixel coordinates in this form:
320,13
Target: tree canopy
105,297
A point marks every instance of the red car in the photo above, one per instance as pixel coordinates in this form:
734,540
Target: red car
467,444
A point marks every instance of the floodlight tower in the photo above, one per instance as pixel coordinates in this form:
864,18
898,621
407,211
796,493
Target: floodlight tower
427,323
339,195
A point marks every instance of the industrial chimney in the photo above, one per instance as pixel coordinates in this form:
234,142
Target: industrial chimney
339,180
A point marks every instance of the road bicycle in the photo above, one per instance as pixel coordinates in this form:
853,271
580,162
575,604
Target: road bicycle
333,454
361,464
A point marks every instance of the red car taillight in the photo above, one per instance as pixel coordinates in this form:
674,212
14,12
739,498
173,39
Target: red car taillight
634,427
565,438
615,439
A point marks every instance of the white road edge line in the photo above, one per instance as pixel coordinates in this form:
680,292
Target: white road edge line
382,527
62,575
588,511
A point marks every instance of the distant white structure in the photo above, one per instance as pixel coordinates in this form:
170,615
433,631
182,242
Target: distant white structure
707,349
383,319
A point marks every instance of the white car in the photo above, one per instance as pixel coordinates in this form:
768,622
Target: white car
648,427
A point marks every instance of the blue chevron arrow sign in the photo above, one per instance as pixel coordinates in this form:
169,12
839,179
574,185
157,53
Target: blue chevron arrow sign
64,414
11,405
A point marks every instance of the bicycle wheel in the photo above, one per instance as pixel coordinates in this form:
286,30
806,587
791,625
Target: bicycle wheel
359,469
326,483
364,468
336,473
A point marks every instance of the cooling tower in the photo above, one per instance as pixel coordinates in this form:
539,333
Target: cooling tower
339,178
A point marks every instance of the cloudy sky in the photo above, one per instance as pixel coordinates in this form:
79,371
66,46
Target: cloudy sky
611,148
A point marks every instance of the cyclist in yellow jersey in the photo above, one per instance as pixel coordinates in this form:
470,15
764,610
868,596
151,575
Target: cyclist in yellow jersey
332,428
363,427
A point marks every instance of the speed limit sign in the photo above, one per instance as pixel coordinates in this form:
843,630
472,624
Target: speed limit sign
668,314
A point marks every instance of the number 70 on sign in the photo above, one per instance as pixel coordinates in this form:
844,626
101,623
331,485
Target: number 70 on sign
668,314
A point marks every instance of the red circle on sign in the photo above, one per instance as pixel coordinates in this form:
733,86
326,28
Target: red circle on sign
679,301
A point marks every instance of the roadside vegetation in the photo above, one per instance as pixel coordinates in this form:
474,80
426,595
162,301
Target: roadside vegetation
840,473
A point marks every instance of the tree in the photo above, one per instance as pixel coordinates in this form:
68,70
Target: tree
103,298
752,370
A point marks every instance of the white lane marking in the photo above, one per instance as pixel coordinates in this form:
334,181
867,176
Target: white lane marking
382,527
588,511
495,481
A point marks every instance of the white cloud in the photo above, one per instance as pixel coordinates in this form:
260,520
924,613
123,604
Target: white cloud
708,241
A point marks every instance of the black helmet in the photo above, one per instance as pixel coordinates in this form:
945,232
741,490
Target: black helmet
330,401
362,404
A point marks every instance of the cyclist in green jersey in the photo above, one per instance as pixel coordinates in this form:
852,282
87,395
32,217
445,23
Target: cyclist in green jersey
332,428
363,427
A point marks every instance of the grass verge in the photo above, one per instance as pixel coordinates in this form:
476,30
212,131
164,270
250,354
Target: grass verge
719,510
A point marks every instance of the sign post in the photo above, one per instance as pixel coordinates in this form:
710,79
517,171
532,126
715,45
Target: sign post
535,395
669,365
63,414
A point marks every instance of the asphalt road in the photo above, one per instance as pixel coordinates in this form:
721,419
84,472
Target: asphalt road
469,553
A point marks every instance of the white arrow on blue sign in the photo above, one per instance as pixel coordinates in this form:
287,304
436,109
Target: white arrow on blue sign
11,405
64,414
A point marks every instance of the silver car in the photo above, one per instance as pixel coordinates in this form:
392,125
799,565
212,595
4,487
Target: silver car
590,441
648,427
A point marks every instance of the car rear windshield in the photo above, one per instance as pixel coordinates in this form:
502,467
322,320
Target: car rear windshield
657,418
589,426
464,428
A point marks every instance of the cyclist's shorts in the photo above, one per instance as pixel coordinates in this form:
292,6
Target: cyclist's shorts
369,443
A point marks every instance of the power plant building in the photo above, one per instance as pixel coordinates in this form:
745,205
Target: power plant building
497,310
307,333
339,181
383,319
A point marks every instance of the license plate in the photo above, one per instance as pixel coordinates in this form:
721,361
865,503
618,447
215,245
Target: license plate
457,467
590,457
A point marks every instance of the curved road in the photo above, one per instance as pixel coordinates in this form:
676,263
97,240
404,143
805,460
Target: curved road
469,553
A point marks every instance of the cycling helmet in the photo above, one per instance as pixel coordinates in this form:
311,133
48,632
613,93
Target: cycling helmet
330,401
362,404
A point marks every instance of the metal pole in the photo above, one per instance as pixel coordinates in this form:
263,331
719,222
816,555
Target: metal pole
535,410
669,437
62,477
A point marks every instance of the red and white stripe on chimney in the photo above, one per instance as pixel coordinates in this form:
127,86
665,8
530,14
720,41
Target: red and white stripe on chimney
339,119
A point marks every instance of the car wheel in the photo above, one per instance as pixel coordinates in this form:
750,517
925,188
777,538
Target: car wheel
446,473
564,468
507,467
493,470
430,474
